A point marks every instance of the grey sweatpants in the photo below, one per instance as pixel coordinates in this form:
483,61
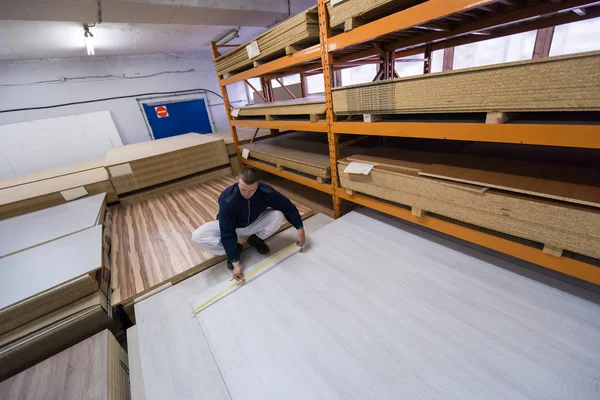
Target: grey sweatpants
208,236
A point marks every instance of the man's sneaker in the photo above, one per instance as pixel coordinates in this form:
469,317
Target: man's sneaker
259,244
229,263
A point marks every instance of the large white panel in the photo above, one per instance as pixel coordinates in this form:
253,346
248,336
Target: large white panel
6,172
34,160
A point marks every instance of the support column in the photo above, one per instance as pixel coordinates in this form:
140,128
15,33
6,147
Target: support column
543,41
448,63
427,63
332,138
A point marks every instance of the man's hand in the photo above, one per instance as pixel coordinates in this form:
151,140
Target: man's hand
237,271
301,237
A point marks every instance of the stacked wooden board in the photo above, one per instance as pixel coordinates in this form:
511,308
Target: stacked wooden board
524,205
548,84
50,188
304,152
313,106
52,293
299,31
350,13
147,164
245,135
96,368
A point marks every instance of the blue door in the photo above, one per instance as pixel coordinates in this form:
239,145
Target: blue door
173,119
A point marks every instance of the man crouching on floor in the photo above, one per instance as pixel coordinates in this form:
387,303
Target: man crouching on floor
247,208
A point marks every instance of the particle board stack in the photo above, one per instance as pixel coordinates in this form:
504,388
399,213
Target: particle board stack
245,135
304,152
399,176
299,31
148,164
33,192
96,368
308,106
52,293
549,84
344,12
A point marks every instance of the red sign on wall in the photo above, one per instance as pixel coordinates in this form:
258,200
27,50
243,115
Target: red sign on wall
161,111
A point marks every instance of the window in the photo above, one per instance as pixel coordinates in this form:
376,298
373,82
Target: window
406,67
315,84
360,74
287,80
437,61
494,51
576,37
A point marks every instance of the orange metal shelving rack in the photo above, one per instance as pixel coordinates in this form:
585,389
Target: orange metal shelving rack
357,44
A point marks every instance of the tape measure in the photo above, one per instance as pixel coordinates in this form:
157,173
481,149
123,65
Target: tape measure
287,251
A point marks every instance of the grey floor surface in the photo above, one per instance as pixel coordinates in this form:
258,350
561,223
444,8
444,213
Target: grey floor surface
374,309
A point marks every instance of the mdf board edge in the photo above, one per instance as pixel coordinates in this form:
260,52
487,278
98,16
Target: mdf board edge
118,387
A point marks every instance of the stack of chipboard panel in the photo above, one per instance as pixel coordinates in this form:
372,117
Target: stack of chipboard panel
307,106
529,200
346,12
53,284
53,187
148,164
94,368
304,152
245,136
299,31
548,84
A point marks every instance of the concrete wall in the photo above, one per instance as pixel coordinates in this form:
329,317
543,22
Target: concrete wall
19,90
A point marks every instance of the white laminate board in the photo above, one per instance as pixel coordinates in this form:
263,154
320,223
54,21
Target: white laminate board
28,230
373,311
41,268
135,365
176,362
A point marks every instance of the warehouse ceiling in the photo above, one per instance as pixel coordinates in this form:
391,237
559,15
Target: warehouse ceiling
40,29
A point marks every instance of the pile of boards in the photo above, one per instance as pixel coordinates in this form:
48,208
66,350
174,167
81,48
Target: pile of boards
139,170
304,152
299,31
549,84
127,174
544,202
245,136
37,191
95,368
349,13
313,106
54,281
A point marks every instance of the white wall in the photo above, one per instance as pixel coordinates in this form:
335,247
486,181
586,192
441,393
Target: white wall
18,91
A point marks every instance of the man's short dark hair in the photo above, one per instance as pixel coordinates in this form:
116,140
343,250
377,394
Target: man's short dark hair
249,175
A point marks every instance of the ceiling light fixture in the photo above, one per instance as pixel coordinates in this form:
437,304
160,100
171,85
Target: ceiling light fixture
228,37
89,39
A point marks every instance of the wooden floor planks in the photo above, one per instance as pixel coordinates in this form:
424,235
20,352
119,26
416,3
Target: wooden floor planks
152,239
375,312
176,365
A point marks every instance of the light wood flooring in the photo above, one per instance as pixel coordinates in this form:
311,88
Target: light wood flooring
151,241
375,309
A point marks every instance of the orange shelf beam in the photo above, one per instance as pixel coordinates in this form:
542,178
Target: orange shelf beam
282,125
311,183
299,57
568,266
582,136
417,15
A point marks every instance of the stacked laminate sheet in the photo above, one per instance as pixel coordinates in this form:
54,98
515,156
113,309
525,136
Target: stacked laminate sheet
300,30
549,84
313,105
33,192
365,10
51,295
151,163
305,152
399,176
95,368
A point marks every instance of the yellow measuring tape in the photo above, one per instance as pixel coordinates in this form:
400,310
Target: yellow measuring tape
261,266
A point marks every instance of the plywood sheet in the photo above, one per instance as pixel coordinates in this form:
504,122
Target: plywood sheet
152,244
80,372
28,230
422,317
303,106
572,184
503,87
